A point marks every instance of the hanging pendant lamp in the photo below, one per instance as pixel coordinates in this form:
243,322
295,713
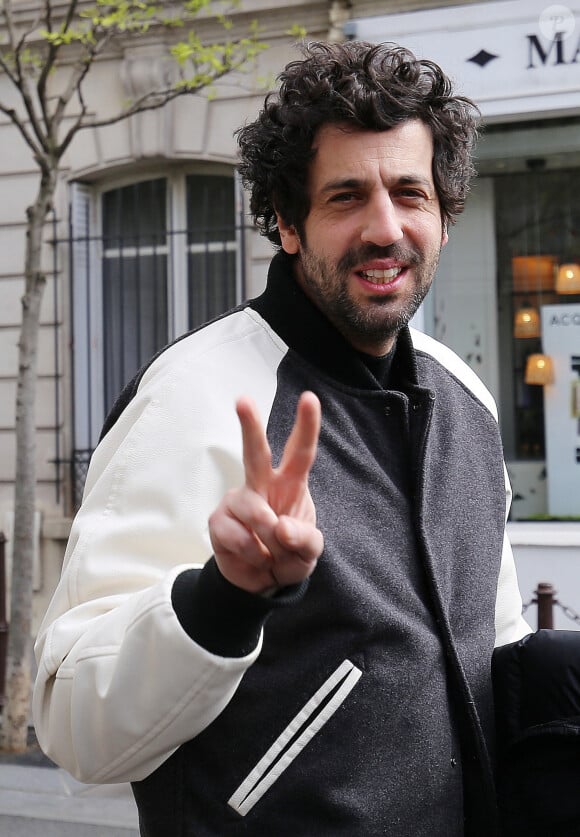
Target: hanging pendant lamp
568,279
526,322
539,370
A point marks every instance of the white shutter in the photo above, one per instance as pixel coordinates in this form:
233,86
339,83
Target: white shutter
87,319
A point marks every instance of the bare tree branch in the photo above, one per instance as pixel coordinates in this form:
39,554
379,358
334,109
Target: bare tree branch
48,15
18,123
52,122
159,98
7,11
19,78
6,68
47,65
28,102
18,46
4,64
73,5
77,75
15,47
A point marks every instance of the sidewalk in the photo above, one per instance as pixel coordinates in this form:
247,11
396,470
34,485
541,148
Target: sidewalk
48,802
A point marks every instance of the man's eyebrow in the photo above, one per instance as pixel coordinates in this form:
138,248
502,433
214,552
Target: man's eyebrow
357,183
346,183
415,180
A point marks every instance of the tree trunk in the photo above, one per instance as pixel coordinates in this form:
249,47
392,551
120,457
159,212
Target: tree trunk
18,669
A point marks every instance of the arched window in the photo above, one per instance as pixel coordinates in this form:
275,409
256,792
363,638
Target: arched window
151,259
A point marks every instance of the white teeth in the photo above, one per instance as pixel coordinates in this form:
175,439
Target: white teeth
381,277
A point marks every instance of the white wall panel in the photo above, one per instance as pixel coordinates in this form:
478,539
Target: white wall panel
44,454
9,353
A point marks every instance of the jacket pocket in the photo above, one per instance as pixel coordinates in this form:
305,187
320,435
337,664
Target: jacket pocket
299,732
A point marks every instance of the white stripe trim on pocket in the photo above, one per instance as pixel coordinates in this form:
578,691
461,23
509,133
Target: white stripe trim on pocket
263,775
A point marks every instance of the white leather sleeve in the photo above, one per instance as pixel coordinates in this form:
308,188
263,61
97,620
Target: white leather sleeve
510,625
120,684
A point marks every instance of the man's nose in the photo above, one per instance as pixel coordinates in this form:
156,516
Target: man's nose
382,224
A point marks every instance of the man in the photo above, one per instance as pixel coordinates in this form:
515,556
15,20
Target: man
327,672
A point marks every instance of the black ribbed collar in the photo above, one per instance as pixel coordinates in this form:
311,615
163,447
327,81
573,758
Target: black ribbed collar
304,328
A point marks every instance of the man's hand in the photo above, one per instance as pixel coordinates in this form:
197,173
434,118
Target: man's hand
264,534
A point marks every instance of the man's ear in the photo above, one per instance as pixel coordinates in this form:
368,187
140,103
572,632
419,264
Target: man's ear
444,235
289,236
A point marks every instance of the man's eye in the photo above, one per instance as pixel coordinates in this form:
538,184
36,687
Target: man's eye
412,194
343,197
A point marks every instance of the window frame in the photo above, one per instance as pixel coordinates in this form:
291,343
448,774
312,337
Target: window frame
87,256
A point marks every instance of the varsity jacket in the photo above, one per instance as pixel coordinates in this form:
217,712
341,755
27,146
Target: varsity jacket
358,703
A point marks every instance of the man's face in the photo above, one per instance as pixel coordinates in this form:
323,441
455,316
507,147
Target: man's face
371,241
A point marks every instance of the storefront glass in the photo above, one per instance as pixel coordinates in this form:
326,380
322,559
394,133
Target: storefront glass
536,214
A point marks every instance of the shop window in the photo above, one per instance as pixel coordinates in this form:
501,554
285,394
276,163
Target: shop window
507,295
536,234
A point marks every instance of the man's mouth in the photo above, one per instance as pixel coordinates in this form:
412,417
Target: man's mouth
381,277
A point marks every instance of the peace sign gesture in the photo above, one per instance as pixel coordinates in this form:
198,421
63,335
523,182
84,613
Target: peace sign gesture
264,534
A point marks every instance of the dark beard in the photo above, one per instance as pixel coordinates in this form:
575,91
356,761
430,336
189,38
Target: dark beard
371,326
365,325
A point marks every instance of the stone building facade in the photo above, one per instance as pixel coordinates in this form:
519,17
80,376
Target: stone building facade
150,236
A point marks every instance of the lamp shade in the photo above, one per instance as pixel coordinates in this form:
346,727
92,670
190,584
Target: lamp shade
526,323
568,279
539,370
533,273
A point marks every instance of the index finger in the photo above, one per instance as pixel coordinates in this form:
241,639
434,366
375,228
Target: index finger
257,456
300,450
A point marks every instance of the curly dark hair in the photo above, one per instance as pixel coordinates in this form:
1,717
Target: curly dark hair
369,86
